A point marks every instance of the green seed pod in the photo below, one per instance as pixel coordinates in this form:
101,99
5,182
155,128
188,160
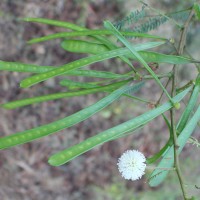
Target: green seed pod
79,46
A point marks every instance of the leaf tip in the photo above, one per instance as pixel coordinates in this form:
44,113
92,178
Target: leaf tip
53,162
22,85
25,19
5,106
29,42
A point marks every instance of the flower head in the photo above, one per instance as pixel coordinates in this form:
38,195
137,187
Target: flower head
132,165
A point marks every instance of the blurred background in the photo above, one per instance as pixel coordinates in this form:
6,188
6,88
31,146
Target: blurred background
24,171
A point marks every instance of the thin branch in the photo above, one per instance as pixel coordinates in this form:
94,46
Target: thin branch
172,111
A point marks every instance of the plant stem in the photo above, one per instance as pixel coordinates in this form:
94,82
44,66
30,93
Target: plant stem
172,111
167,75
157,103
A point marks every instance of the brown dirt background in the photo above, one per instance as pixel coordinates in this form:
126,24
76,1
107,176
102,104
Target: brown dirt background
24,171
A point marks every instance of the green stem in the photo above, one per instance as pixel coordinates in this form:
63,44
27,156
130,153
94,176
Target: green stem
158,75
172,111
157,103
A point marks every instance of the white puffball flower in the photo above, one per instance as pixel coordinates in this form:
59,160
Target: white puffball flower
132,165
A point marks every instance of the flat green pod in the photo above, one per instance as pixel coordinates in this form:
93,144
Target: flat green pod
65,156
75,27
83,62
22,67
80,46
52,22
30,68
50,97
41,131
95,73
188,110
147,56
86,31
90,33
150,56
76,84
